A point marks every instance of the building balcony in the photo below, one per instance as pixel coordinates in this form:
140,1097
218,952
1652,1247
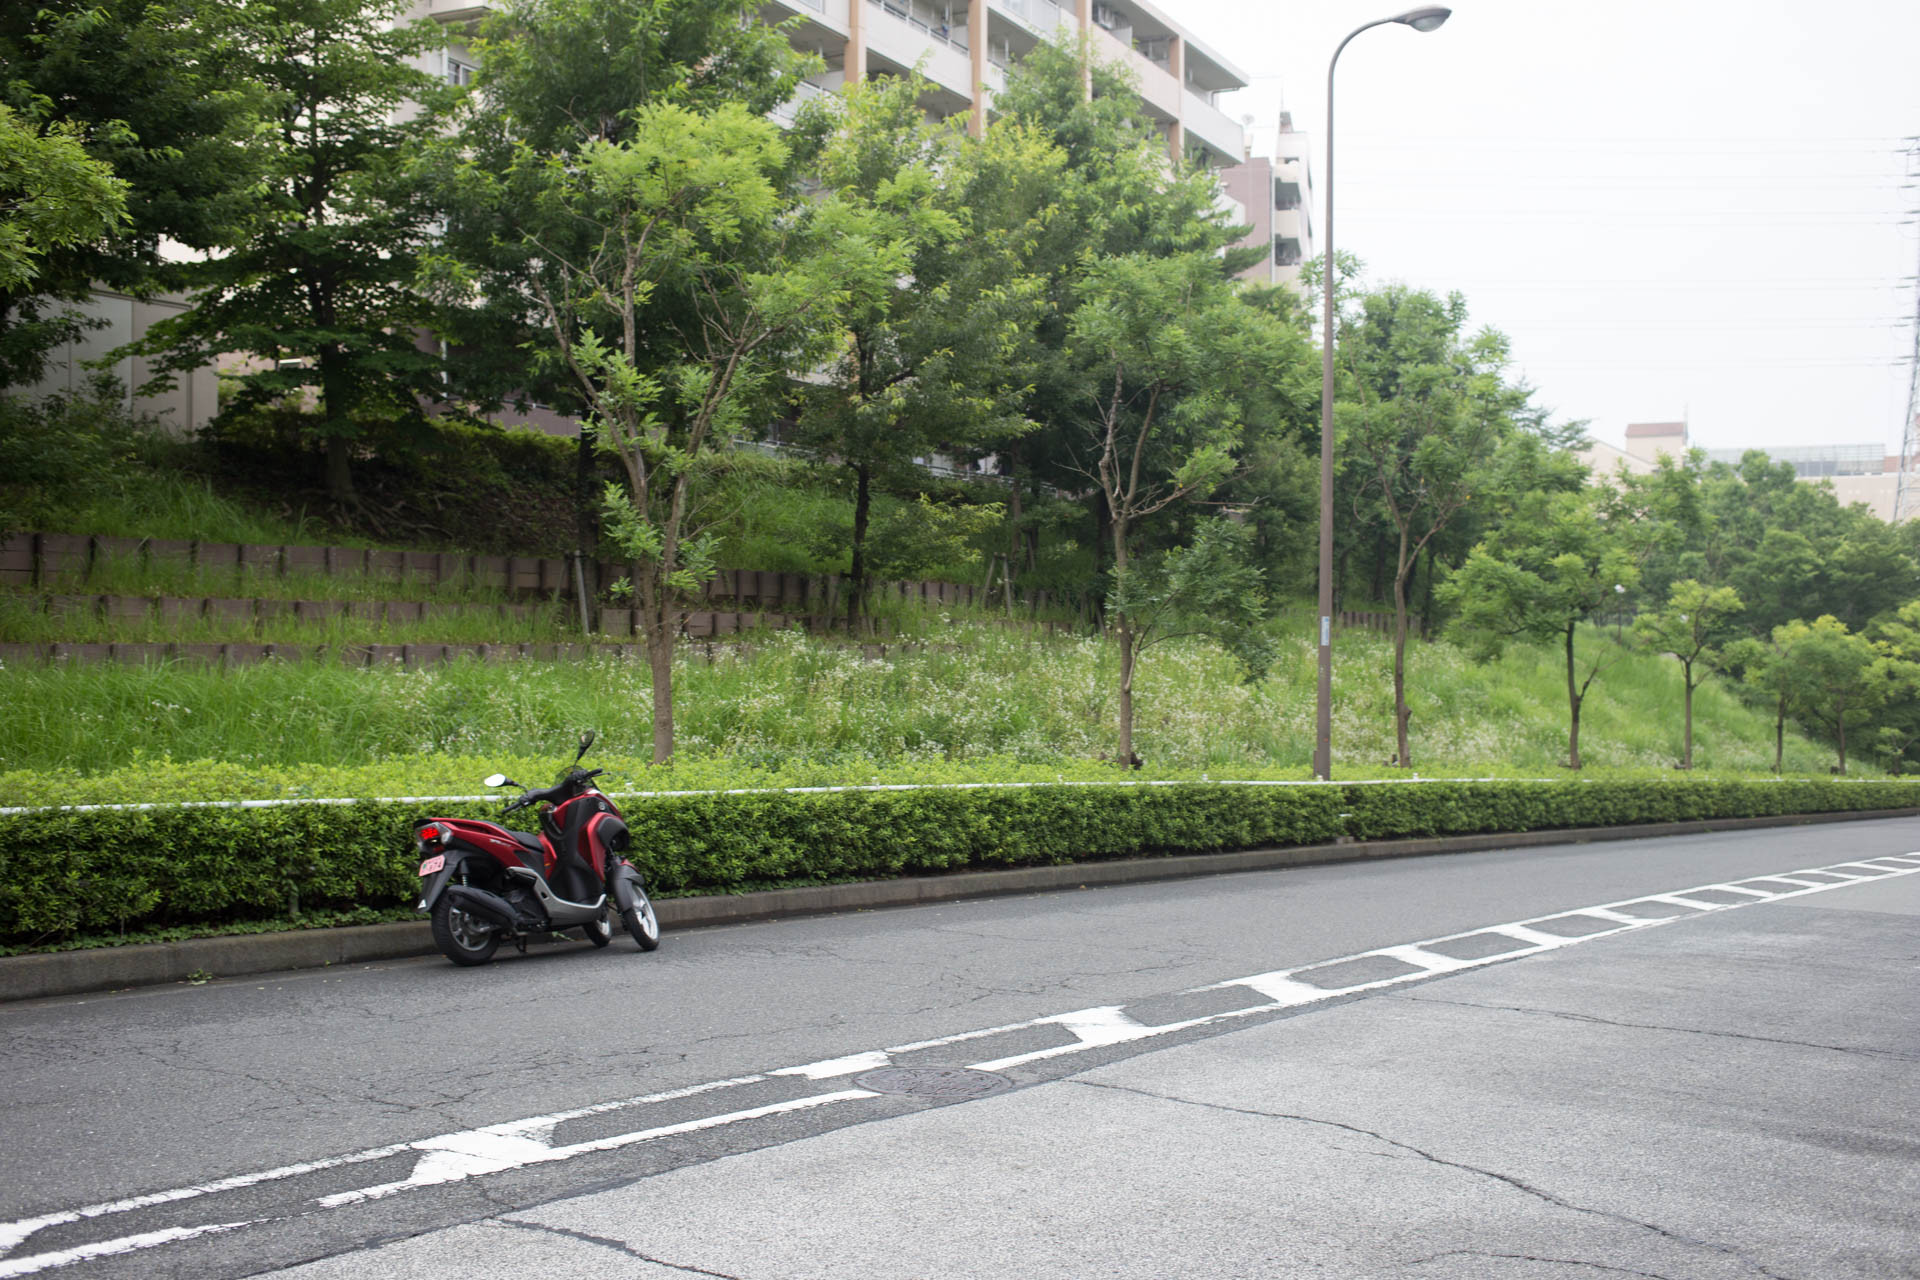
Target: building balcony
804,92
450,12
1041,17
816,17
1291,224
1209,129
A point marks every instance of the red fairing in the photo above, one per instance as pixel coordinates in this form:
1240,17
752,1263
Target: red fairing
492,838
594,844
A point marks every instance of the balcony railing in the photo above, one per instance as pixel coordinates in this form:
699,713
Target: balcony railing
922,18
1042,15
804,92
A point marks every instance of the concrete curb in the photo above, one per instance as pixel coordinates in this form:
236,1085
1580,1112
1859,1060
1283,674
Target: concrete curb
63,973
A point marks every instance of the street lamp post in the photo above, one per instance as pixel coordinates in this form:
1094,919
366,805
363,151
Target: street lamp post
1424,19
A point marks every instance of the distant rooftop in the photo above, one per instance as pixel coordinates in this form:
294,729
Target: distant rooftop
1814,460
1637,430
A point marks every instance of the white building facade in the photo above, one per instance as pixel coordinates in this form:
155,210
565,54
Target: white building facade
1277,193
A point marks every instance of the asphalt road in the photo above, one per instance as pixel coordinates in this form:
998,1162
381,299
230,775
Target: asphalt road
1179,1084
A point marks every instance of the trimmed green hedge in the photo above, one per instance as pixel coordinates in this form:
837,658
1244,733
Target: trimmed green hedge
63,874
1465,808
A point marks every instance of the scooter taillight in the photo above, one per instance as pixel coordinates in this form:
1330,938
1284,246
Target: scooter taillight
434,833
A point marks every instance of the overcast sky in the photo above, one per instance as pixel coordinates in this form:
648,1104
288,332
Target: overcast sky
1675,208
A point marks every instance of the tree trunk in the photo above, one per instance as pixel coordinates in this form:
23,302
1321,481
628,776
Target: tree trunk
1032,535
333,413
1014,534
660,663
862,509
585,532
1573,707
1426,605
1104,531
1779,734
1686,755
1403,756
1123,625
1840,731
339,474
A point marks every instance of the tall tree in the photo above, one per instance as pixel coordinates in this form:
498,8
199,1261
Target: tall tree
1792,551
1828,671
1897,640
1171,359
1116,195
152,90
935,302
1425,408
1763,673
1694,619
1551,567
556,76
691,220
316,282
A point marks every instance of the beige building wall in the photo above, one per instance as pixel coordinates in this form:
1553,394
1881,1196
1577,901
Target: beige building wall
195,396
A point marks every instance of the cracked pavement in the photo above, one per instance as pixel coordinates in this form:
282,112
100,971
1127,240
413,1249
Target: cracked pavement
1725,1096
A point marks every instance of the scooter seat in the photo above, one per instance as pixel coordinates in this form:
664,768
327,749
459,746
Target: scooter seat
528,840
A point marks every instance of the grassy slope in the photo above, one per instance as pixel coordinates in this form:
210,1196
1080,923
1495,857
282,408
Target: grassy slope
795,710
820,709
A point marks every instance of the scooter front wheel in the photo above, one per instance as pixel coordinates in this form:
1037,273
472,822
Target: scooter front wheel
641,922
462,938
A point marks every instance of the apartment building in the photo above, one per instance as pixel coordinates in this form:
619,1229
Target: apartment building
1277,194
964,49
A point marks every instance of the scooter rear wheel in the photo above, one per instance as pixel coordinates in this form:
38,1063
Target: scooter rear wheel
641,922
462,938
599,930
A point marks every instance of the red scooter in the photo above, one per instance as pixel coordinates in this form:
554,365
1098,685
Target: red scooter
483,884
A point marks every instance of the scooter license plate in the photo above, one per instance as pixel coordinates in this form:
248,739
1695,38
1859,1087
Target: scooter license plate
433,864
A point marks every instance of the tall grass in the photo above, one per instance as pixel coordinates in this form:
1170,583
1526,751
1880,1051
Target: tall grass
22,622
988,694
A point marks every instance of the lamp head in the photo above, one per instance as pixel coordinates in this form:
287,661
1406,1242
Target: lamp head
1425,19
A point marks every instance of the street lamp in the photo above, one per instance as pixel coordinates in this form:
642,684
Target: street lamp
1423,19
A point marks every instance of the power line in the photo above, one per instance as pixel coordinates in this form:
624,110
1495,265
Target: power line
1787,323
1699,365
1701,286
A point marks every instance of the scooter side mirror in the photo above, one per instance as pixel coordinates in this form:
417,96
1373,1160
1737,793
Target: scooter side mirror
499,780
586,740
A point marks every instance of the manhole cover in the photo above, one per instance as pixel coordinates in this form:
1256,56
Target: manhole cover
951,1084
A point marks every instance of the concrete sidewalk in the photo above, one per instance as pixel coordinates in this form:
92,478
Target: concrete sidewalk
1726,1097
60,973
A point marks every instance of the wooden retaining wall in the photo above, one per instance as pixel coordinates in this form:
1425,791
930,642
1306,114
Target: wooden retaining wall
52,561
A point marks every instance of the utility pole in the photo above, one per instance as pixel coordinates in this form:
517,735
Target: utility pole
1906,501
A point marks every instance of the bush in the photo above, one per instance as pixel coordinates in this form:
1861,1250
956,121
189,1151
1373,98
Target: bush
65,450
67,872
